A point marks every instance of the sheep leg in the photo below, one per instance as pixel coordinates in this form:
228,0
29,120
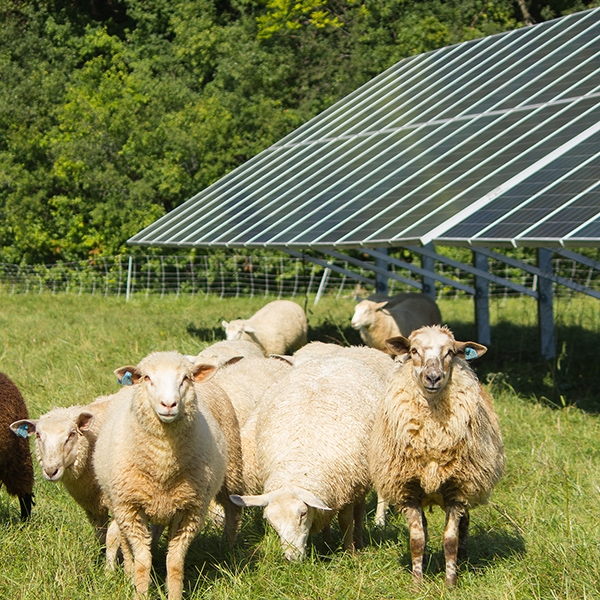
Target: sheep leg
454,514
137,556
233,518
181,533
463,535
113,543
359,520
25,504
380,513
417,530
346,521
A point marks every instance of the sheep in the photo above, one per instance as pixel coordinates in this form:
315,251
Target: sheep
277,328
160,458
311,435
64,444
401,314
436,440
16,466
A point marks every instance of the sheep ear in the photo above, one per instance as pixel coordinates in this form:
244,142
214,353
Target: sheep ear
245,501
84,421
224,324
232,361
24,428
248,328
283,358
311,500
381,305
127,375
398,345
203,372
469,350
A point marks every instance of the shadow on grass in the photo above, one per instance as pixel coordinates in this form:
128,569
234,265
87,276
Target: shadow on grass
209,335
514,360
484,548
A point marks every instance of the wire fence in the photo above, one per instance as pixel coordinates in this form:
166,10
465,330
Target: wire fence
235,276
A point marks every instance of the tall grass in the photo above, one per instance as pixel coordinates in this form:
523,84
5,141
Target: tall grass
539,537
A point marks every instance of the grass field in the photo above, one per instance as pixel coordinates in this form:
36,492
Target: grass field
539,537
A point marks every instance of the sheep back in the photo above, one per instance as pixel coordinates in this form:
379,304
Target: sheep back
312,430
278,327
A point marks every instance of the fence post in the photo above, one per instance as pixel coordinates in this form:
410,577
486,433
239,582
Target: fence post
322,285
129,269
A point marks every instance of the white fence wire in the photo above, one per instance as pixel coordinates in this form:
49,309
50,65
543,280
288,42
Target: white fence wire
235,276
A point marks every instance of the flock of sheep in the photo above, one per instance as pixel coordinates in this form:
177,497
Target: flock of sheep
264,418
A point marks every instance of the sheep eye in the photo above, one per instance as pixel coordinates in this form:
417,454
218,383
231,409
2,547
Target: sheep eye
413,351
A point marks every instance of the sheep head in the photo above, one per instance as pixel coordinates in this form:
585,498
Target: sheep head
291,512
167,380
365,313
431,351
56,439
234,330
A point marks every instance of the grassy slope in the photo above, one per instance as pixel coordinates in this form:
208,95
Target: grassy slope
538,538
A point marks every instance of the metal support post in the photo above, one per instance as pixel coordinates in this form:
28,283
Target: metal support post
482,301
428,264
545,305
381,281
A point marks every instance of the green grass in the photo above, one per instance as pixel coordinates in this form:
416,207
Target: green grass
538,538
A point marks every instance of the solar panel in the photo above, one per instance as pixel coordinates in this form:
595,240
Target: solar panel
494,140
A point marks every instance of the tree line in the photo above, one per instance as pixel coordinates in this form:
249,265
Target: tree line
113,112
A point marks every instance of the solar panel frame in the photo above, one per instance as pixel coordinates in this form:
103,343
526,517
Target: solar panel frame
325,184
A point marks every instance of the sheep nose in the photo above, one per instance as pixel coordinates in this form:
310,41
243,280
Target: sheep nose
433,378
50,472
169,404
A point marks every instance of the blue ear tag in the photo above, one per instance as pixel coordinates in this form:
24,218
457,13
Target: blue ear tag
22,431
470,354
127,379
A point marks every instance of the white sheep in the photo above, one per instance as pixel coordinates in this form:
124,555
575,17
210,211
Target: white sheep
278,327
436,440
64,444
400,315
311,436
381,363
160,458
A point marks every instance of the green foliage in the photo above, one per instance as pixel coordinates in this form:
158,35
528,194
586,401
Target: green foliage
113,113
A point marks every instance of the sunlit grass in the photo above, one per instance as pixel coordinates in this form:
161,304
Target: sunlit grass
538,538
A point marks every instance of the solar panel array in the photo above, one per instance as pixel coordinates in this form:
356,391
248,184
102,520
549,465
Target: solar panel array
495,140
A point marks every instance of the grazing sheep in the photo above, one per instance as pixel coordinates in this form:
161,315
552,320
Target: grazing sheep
160,458
16,467
436,440
64,444
277,328
311,436
401,314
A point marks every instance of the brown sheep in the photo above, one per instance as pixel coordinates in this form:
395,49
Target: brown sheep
436,440
16,467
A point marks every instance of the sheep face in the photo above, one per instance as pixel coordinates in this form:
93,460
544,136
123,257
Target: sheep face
431,351
56,440
364,313
167,380
291,513
234,330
